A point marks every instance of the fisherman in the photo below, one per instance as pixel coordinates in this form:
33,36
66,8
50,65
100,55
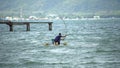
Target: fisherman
58,38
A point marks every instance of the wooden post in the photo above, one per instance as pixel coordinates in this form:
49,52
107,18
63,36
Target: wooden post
10,24
50,26
27,26
11,27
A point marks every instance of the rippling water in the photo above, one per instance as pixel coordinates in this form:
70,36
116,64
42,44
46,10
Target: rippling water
90,44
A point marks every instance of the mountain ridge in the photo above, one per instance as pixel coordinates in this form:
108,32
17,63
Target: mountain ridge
61,6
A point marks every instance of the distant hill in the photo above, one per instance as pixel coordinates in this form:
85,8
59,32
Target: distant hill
61,6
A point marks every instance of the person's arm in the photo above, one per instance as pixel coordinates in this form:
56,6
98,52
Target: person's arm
63,37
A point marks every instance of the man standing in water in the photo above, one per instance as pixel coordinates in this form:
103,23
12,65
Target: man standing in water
57,39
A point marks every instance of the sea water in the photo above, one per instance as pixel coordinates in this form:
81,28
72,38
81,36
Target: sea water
90,44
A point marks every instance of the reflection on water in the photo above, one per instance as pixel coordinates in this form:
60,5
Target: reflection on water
90,44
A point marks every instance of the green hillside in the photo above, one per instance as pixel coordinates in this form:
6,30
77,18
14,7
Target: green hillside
78,7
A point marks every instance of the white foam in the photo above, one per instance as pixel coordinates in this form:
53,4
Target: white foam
89,44
61,50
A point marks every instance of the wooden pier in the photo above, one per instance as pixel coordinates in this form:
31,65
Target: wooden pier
10,24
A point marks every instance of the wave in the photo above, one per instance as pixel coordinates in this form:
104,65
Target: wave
8,64
44,63
107,51
101,62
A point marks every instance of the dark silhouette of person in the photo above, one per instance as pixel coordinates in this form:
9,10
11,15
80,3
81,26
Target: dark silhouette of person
57,39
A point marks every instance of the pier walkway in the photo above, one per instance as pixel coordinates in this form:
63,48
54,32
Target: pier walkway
10,24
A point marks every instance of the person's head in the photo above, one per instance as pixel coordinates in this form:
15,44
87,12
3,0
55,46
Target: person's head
60,34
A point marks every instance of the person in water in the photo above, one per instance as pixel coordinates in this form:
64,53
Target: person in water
57,39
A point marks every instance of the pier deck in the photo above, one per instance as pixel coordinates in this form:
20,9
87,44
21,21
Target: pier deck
10,24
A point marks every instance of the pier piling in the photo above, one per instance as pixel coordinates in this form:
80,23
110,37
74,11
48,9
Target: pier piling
28,26
50,26
11,27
